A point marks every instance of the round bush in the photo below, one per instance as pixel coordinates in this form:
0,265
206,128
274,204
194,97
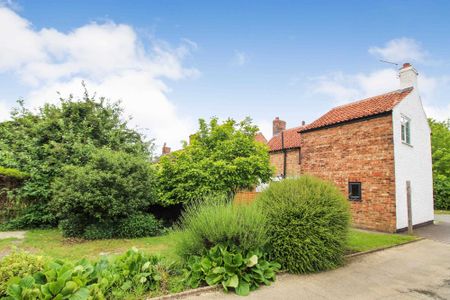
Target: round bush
217,221
111,187
308,224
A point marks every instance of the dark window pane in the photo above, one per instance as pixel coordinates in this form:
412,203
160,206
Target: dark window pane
354,190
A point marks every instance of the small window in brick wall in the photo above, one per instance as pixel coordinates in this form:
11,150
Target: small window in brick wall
354,190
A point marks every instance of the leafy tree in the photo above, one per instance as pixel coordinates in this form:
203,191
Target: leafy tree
440,147
221,158
42,143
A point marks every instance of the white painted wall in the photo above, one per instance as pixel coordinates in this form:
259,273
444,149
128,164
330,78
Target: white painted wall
413,162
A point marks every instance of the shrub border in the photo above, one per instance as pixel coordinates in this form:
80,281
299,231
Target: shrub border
207,289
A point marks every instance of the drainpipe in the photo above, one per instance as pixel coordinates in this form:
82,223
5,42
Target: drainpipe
284,154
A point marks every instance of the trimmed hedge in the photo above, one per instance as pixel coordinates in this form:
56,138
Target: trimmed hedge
308,224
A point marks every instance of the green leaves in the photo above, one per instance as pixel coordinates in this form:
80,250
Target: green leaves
130,273
232,268
440,148
41,144
221,158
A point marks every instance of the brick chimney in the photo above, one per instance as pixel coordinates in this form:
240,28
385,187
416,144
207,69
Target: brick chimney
408,76
278,126
165,149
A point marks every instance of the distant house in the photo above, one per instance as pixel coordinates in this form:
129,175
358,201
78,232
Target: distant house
371,149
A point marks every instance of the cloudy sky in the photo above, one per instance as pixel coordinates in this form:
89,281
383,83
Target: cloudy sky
172,62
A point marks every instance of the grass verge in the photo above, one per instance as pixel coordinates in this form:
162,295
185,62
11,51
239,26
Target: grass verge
360,241
442,212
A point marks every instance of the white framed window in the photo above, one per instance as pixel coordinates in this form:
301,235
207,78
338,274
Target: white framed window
406,130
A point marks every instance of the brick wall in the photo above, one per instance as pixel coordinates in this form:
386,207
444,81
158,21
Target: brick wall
292,162
245,197
361,151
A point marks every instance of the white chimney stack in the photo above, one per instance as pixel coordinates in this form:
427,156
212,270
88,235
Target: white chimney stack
408,76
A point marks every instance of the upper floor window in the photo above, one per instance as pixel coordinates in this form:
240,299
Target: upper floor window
406,130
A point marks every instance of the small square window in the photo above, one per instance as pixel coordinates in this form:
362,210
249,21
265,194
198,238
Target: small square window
354,190
406,130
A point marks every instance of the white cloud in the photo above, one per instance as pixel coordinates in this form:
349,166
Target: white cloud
110,58
240,58
400,50
343,88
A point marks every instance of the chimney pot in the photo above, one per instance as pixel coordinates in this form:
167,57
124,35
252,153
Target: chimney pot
406,65
278,126
303,123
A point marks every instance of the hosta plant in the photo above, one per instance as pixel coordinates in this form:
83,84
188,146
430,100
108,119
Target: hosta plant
132,273
232,268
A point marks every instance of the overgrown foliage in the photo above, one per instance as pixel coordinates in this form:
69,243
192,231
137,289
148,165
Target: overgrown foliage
216,220
18,264
41,144
243,271
101,199
13,173
308,224
440,145
132,273
220,158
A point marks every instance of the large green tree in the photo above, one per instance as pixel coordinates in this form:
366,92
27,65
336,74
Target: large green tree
220,158
440,145
41,143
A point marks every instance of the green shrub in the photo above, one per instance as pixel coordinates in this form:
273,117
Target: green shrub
33,216
441,192
216,221
244,271
18,264
308,224
139,225
107,190
130,274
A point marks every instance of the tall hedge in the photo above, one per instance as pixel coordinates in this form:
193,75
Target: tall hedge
308,224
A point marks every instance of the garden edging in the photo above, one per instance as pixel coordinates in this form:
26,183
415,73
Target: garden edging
207,289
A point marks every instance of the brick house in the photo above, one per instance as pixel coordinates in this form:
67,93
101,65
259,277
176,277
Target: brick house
371,149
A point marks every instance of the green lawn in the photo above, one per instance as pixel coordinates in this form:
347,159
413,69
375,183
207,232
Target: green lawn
442,212
360,241
51,243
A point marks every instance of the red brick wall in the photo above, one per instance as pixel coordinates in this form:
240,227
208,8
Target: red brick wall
292,162
245,197
361,151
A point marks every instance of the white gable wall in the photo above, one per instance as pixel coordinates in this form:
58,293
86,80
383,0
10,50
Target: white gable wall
413,163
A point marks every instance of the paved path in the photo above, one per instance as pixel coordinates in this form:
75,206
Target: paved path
439,231
12,234
442,218
419,270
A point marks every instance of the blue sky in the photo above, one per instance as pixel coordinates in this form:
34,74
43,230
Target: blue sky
171,62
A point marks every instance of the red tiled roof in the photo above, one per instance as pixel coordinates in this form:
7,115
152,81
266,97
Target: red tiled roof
259,137
359,109
291,139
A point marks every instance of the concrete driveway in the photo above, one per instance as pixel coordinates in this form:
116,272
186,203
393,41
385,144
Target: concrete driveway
439,231
420,270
